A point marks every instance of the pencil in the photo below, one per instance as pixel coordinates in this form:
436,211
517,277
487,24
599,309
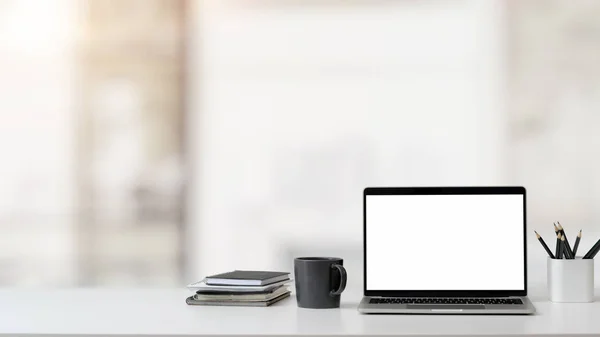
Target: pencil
576,243
559,255
591,251
594,252
565,250
556,231
564,235
539,237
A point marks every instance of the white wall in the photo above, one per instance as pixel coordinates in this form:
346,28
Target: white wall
37,142
300,106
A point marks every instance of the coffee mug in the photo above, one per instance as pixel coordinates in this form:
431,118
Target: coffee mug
319,281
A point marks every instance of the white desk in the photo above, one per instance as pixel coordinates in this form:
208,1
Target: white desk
86,312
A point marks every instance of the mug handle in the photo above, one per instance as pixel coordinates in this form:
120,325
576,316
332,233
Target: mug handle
343,279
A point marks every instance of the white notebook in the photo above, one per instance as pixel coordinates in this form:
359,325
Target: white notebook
250,297
201,285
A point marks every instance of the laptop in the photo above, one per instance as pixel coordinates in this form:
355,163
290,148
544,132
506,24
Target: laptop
445,250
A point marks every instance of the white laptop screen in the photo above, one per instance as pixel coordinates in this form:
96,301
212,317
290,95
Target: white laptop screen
445,242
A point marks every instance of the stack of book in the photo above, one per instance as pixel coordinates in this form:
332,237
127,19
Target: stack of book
241,288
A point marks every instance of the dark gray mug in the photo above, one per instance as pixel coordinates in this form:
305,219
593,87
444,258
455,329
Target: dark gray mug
319,281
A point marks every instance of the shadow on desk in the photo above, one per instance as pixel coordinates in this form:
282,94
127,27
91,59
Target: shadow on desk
349,305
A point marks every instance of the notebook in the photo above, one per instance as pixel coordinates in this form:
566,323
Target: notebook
242,297
247,278
203,287
191,301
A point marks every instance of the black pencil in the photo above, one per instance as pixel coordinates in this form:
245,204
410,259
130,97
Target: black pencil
592,250
556,231
539,237
564,235
568,254
559,255
577,243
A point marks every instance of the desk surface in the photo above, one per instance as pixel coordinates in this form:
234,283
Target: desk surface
84,312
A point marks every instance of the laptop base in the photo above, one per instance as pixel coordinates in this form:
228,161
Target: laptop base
526,308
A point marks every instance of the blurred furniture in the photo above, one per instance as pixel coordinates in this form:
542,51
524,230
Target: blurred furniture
103,312
130,136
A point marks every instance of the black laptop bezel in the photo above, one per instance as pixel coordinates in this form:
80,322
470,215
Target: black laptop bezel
444,191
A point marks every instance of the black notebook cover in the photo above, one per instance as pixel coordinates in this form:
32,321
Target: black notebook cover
247,277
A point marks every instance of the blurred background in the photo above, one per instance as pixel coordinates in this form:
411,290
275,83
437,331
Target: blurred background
151,142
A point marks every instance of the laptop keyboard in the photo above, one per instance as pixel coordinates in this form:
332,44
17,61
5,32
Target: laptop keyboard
435,300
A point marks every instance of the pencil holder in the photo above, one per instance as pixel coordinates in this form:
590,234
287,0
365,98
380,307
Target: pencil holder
571,280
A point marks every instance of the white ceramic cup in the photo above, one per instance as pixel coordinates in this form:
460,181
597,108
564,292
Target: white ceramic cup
571,280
